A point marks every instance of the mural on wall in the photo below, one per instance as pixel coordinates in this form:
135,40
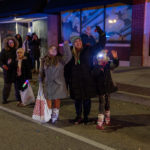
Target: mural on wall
70,24
92,18
118,23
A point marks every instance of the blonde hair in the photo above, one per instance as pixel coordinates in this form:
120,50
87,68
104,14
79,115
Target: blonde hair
20,49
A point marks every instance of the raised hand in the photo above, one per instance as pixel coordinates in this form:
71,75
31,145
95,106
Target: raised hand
114,53
98,29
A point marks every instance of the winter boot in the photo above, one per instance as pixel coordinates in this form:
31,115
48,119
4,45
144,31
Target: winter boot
107,117
100,122
55,114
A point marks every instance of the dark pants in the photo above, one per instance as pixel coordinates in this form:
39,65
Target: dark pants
84,105
104,103
6,91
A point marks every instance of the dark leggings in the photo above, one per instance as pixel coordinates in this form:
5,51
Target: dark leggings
83,104
104,103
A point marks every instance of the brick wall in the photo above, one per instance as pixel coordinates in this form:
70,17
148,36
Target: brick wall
123,52
137,32
137,27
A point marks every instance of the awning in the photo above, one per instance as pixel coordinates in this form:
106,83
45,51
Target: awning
24,18
11,8
55,6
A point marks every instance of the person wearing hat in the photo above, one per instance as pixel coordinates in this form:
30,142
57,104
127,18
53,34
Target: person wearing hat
81,84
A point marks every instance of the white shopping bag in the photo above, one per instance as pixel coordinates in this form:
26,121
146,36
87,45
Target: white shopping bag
27,96
41,111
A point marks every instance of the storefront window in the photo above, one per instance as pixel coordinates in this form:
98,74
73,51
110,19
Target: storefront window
118,23
70,24
115,20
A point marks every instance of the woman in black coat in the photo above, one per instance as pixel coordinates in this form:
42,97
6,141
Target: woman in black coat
81,84
7,62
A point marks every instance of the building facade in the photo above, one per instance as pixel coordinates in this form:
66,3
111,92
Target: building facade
127,28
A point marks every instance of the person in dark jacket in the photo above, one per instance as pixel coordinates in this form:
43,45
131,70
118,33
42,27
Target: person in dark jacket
104,83
35,50
19,38
23,71
81,84
87,38
7,62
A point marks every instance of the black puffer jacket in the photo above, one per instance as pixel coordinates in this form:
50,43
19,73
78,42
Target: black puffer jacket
6,54
25,73
81,83
103,79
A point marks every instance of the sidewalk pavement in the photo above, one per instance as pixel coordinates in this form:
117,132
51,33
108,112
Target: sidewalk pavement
133,84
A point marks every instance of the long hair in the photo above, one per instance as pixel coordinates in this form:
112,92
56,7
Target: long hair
52,61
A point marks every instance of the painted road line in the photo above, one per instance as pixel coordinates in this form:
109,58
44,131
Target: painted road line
134,94
59,130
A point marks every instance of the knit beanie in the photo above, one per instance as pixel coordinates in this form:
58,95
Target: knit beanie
74,38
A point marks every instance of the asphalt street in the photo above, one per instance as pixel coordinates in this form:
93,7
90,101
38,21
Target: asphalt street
129,130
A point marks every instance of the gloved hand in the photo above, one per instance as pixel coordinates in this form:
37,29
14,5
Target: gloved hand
98,29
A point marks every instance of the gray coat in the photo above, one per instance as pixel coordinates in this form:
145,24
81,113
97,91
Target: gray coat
55,86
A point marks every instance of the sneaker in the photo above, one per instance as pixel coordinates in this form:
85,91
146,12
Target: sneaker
55,114
77,120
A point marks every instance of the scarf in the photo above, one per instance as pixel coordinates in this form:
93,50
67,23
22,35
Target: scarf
76,56
19,67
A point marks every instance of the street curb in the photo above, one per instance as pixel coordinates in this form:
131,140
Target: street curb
130,97
59,130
